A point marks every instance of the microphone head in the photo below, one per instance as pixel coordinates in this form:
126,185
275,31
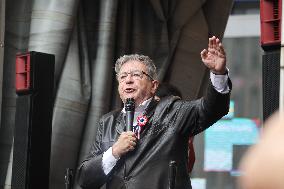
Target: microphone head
129,104
173,163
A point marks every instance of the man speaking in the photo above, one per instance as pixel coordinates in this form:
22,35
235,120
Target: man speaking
139,158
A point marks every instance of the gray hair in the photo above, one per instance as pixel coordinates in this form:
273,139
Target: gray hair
151,68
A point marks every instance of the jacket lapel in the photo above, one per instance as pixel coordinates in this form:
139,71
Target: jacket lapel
149,112
120,123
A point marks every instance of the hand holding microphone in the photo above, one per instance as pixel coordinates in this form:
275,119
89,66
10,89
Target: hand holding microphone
125,143
127,140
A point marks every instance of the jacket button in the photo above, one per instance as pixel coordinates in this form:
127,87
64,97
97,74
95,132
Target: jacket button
126,178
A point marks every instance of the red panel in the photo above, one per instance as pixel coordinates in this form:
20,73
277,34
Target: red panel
270,21
23,73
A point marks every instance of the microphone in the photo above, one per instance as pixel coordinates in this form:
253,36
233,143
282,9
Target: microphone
129,109
172,174
68,178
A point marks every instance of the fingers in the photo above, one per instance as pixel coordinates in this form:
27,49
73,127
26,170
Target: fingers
217,53
130,133
203,54
125,143
210,42
221,49
131,146
215,43
215,47
129,141
128,137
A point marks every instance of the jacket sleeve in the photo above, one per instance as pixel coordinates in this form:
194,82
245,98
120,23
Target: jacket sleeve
200,114
90,172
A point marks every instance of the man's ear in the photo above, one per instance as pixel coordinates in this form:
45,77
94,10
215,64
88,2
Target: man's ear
155,86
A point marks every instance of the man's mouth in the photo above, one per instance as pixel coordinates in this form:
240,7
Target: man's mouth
129,90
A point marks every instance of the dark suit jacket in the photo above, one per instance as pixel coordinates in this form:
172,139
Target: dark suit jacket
165,137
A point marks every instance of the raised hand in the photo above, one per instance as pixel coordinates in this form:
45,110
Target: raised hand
125,143
214,57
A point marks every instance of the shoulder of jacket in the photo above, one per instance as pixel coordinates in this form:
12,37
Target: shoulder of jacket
167,103
113,113
168,100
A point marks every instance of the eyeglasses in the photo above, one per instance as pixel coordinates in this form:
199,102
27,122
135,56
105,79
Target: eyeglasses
135,74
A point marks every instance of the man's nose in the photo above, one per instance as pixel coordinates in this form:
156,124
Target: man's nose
129,78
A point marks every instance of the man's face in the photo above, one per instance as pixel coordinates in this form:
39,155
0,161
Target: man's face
133,86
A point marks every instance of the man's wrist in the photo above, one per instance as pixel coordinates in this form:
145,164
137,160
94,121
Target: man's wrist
225,72
114,153
220,82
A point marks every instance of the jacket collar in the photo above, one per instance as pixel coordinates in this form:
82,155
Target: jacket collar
121,119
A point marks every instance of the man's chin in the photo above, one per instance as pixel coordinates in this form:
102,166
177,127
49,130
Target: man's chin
129,96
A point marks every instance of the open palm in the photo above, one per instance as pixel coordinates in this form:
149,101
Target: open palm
214,57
